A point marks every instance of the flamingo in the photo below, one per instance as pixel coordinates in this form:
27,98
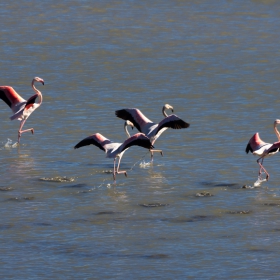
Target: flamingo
150,129
259,148
21,108
113,149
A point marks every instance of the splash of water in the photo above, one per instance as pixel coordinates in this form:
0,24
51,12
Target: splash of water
259,181
10,144
144,164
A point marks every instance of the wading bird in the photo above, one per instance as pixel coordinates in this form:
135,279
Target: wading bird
150,129
115,150
259,148
21,108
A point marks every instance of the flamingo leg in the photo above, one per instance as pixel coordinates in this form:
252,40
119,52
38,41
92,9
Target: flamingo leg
152,153
114,172
20,131
121,172
262,168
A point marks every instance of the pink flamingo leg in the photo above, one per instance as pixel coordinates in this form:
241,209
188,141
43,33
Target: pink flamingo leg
114,172
117,171
121,172
152,153
20,131
262,168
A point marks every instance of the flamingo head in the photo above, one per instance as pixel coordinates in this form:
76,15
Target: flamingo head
276,122
129,123
167,106
37,79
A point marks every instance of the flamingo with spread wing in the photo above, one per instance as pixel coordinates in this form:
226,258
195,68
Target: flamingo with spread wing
115,150
21,108
150,129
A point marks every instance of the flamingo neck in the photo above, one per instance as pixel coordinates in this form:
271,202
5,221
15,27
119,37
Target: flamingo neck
126,130
38,92
163,111
276,131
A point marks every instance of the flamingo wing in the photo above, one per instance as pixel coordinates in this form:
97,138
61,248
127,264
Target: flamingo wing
274,148
10,97
4,97
171,121
138,139
97,140
135,116
31,100
255,143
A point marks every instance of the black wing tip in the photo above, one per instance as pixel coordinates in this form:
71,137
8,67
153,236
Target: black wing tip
248,148
179,124
117,112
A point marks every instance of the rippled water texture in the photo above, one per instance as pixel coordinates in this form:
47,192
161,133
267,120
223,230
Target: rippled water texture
192,214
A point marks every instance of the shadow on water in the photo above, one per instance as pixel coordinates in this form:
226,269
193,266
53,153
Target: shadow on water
5,227
108,213
214,184
76,186
195,218
156,204
156,256
42,224
20,199
260,251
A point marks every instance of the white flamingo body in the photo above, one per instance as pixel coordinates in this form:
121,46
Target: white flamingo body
20,107
115,150
150,129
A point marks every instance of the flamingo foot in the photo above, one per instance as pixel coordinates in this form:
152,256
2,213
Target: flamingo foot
122,172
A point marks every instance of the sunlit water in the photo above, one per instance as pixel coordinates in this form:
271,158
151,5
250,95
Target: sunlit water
194,212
